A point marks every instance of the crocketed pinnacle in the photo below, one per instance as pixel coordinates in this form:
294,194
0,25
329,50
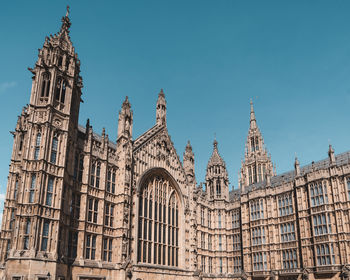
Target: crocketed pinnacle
188,147
161,109
65,22
126,103
161,98
215,158
252,115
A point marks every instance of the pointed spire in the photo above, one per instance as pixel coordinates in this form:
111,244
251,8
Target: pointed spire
252,115
215,158
65,22
257,162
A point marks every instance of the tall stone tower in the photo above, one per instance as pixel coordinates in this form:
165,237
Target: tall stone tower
35,220
217,184
257,165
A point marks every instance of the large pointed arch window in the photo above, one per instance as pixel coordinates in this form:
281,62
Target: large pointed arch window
158,230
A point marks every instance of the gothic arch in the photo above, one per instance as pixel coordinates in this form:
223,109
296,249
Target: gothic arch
159,226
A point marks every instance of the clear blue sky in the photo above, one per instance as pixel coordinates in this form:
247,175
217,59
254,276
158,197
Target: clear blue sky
211,57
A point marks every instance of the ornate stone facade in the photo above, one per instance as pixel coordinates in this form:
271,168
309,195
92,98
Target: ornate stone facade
80,206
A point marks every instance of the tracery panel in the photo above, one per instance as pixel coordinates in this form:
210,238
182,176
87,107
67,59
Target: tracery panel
158,229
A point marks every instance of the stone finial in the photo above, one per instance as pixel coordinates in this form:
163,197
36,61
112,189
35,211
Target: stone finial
188,149
65,22
103,132
188,162
67,13
87,125
297,166
125,121
331,154
161,109
126,103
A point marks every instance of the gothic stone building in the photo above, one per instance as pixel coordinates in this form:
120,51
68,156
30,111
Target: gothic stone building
81,206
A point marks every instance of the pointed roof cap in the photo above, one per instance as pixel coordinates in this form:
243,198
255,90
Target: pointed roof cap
161,97
126,102
252,115
188,150
188,146
215,158
161,93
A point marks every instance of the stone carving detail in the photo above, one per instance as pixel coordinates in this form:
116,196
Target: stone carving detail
207,210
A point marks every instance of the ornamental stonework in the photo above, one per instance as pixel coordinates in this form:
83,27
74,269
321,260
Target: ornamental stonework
82,206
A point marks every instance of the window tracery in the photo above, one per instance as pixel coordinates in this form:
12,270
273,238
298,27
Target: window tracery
158,230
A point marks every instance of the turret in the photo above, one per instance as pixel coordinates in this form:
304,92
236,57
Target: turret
217,184
43,156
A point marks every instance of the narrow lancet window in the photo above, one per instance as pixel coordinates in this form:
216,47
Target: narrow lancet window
54,150
45,85
37,146
60,92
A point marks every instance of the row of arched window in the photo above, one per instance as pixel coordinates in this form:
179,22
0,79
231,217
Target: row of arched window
48,191
95,176
222,216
